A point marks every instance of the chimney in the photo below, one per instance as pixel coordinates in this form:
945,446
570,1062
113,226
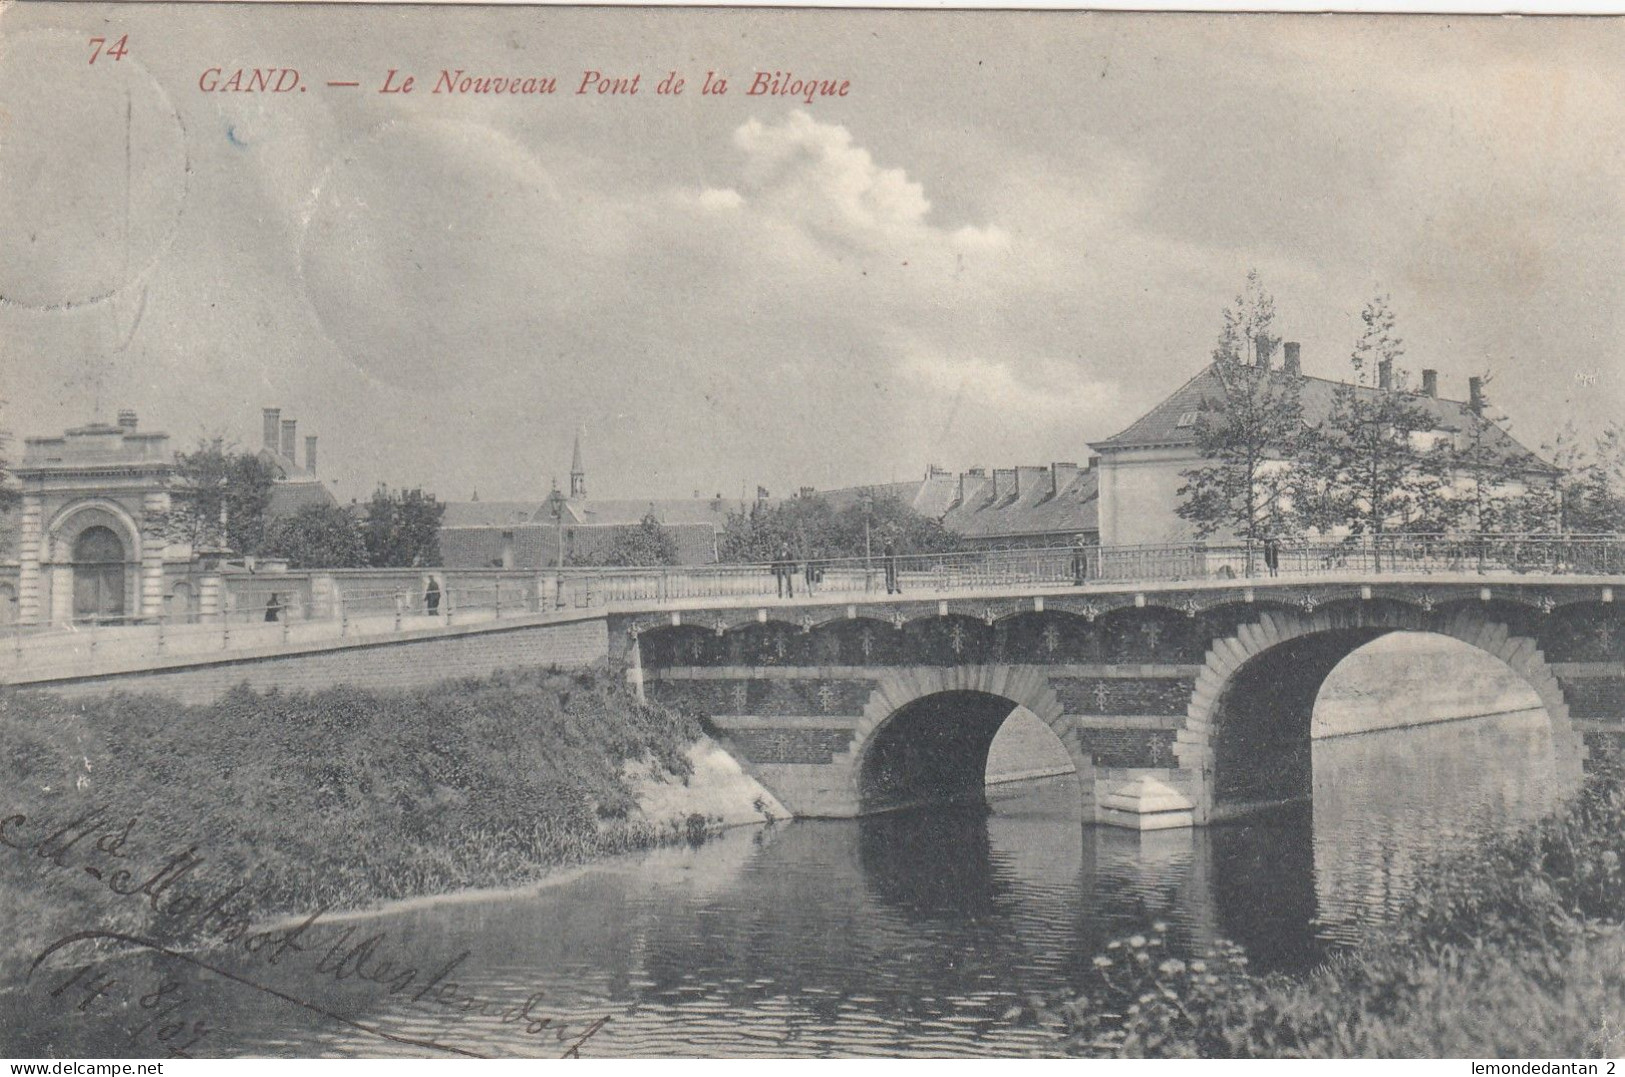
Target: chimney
1056,471
310,453
1028,479
1004,482
1261,351
126,420
1475,395
1430,383
1292,365
1385,374
288,430
272,418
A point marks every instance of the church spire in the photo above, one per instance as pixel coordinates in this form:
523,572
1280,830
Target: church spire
578,473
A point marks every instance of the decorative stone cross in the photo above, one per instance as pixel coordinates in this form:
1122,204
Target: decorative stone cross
1052,638
741,697
1100,697
826,697
956,638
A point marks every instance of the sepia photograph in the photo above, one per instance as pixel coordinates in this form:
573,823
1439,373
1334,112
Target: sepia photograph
584,532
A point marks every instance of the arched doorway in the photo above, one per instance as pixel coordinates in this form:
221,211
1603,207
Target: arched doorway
98,575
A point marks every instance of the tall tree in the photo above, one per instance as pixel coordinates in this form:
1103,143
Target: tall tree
220,498
317,536
1247,434
1489,491
1371,463
1591,492
402,528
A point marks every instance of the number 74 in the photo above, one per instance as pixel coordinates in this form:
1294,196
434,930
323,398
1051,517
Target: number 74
120,47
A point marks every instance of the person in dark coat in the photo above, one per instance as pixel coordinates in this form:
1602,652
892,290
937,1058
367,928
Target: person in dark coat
893,585
1272,554
784,568
1080,560
431,597
273,607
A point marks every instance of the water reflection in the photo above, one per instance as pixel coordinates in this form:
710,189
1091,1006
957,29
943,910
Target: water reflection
912,933
1391,802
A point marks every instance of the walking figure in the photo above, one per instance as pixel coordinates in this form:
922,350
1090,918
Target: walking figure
431,597
893,585
1080,560
273,607
784,570
1272,554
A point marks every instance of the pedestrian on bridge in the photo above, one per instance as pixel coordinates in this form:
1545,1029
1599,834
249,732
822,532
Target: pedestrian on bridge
784,571
1272,555
894,586
1080,560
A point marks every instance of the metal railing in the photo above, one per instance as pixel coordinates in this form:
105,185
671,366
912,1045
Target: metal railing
269,615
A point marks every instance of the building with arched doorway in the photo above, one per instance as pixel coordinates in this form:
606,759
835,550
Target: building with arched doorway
91,541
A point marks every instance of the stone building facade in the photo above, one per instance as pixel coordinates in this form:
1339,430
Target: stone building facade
90,535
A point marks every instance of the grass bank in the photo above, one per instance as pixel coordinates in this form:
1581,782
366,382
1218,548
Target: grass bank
1514,949
287,801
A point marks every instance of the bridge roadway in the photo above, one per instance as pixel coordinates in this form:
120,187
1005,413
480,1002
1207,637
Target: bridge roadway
1179,701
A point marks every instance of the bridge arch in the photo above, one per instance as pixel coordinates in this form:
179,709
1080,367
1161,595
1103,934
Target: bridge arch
1256,684
925,733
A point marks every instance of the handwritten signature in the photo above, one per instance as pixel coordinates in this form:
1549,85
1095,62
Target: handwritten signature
94,843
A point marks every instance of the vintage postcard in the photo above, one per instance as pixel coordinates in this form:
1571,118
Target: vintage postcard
615,532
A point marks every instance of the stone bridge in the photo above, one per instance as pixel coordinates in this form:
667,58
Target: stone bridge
1178,704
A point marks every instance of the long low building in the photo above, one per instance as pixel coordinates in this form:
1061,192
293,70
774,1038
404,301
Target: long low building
1007,508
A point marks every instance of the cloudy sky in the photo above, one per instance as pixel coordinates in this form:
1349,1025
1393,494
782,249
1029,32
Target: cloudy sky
1012,236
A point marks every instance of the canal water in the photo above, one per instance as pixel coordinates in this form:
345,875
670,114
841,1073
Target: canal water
914,933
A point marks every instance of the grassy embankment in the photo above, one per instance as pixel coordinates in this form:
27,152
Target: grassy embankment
1514,949
340,797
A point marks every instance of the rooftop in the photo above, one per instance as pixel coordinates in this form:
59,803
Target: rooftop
1169,423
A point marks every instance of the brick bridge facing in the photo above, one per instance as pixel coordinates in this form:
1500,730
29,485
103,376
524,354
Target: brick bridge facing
1175,707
